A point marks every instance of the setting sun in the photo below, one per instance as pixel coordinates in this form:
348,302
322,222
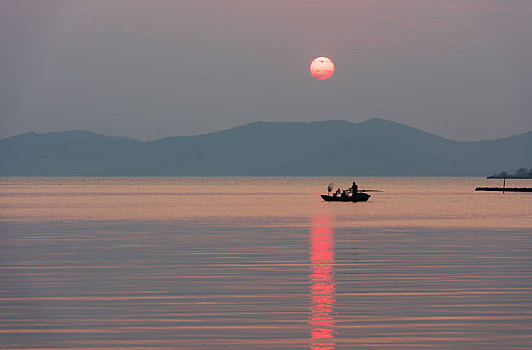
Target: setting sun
322,68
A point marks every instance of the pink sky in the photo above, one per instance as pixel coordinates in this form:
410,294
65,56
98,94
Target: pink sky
460,69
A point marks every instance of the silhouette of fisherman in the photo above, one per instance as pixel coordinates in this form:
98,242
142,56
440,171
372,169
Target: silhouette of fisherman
354,189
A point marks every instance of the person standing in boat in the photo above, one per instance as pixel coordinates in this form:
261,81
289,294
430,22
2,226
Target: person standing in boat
354,189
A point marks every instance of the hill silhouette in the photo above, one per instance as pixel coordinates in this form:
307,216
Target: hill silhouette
375,147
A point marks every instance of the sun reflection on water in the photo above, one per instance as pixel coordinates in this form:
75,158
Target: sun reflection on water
322,285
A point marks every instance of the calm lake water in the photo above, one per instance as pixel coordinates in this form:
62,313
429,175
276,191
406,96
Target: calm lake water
263,263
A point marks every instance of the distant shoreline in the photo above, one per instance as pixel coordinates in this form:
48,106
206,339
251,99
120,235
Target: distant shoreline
332,148
509,177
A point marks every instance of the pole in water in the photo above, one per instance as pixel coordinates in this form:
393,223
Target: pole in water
503,184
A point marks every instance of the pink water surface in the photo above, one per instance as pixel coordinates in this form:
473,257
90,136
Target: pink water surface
263,263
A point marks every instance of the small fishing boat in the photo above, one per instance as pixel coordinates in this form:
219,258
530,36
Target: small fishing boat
352,194
358,197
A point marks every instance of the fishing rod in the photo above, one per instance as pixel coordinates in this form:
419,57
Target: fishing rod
331,186
359,191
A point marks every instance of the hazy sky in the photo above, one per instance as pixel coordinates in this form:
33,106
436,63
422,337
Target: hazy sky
459,69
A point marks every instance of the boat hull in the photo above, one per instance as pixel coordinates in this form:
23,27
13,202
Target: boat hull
359,197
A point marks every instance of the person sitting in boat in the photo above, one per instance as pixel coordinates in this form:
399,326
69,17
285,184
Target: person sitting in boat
344,195
354,188
338,191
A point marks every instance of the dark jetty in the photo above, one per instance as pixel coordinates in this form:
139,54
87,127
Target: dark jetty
507,189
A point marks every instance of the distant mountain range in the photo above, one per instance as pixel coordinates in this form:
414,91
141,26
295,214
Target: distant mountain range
375,147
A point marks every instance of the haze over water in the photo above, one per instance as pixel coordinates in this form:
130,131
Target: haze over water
263,263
